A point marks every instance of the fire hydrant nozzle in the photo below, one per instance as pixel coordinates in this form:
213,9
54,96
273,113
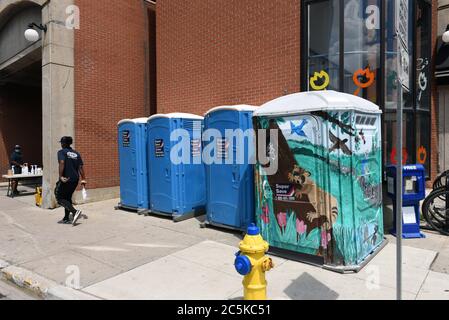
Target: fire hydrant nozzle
267,265
252,263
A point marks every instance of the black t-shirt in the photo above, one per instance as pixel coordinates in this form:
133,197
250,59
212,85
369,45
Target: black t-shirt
17,157
72,162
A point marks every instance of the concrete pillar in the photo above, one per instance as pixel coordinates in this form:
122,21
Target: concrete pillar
58,96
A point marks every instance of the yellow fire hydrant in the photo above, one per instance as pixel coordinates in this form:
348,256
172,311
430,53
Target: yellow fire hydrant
252,263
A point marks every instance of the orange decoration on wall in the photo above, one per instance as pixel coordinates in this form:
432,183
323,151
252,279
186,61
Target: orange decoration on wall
393,159
421,155
363,73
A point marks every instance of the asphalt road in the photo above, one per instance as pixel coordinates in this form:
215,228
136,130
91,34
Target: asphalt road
9,292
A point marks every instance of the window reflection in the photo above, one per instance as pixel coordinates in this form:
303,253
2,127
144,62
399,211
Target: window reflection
323,44
362,48
359,70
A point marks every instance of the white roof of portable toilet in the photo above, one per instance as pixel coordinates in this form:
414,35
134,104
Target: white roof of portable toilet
240,107
305,102
137,120
176,115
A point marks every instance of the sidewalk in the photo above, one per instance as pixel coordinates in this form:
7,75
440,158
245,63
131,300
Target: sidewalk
120,255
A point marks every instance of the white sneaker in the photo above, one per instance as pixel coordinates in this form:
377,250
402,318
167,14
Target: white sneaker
76,217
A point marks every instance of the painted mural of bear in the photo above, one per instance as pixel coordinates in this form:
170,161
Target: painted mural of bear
308,197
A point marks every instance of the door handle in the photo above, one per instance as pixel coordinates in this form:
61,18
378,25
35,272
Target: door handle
235,174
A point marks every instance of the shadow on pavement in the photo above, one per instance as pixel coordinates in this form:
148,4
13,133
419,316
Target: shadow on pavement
307,287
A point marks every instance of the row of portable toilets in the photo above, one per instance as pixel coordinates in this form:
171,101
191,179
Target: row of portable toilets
152,181
322,200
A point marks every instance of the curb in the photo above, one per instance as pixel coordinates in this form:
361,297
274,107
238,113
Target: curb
39,286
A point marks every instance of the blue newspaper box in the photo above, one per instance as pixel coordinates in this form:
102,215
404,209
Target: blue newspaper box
132,139
414,190
177,176
229,174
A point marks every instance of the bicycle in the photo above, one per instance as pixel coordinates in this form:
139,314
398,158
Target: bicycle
435,207
441,180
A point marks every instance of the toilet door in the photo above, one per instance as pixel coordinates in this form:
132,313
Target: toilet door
224,179
160,176
298,204
128,165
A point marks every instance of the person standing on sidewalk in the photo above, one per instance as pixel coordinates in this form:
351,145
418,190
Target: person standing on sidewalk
70,171
16,163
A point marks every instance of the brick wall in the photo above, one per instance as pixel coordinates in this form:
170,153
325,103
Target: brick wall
216,52
109,81
20,123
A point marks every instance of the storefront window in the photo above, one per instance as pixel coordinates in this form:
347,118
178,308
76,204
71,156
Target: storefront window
362,48
408,129
390,85
323,45
423,55
365,32
423,139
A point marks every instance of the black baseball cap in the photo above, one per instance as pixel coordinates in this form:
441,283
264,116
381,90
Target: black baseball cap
66,140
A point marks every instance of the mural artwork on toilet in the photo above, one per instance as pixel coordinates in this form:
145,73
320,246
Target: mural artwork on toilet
325,199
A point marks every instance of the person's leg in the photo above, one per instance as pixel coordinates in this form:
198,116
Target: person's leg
64,198
14,184
77,213
66,214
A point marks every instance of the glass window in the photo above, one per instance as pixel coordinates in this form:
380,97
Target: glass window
423,140
423,47
389,142
391,87
391,49
363,25
323,45
362,47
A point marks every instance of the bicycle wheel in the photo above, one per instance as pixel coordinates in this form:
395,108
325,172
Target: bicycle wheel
441,180
436,211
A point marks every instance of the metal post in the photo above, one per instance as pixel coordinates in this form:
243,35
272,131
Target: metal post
402,49
399,183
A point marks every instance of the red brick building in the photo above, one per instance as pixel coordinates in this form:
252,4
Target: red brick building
133,58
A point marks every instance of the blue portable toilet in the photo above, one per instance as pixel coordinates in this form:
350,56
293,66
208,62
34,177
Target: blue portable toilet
132,141
230,181
177,188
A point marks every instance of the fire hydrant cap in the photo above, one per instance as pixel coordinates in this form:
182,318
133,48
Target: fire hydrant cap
253,230
242,265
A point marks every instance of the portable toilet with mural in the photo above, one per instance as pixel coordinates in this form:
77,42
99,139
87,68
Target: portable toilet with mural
319,184
229,171
177,176
132,146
